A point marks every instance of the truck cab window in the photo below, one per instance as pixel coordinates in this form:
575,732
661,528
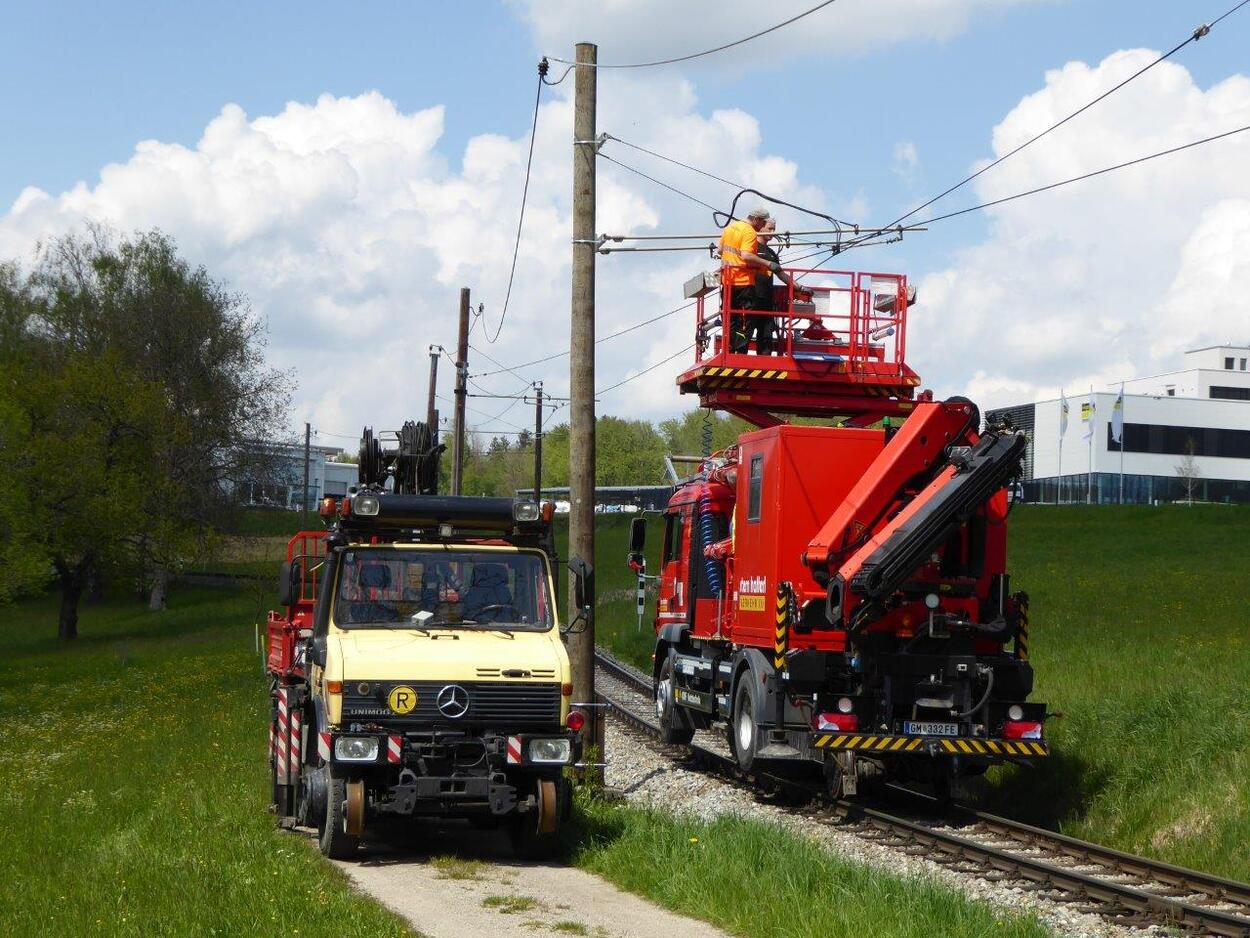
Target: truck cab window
755,487
669,547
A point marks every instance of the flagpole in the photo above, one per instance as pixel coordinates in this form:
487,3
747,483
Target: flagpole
1063,429
1089,464
1122,442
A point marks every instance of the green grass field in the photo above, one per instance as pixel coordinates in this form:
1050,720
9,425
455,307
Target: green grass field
1141,638
134,786
134,781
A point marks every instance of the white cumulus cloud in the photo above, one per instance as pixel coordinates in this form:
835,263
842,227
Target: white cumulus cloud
352,232
1107,278
651,30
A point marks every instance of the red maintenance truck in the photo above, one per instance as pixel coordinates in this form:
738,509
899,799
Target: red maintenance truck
836,589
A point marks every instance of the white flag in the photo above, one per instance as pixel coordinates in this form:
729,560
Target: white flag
1088,412
1117,417
1063,415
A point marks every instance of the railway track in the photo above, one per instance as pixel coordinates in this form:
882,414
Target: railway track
1127,888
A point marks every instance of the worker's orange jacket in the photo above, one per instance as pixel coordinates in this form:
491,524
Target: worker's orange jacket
737,237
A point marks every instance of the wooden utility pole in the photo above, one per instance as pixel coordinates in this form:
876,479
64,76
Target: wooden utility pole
307,448
538,441
582,371
431,409
462,374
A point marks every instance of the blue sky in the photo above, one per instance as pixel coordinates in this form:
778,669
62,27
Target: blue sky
87,82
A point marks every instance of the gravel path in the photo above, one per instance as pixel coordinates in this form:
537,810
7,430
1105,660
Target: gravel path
640,769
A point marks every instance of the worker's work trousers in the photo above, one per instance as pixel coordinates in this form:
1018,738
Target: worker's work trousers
743,329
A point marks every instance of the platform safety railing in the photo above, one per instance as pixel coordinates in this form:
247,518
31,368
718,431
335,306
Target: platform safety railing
858,316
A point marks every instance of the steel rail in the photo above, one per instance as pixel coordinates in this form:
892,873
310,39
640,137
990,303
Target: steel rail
1173,909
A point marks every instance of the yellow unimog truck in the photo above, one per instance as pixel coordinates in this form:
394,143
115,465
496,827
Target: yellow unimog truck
417,669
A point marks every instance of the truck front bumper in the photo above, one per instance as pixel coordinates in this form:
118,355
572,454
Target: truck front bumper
878,746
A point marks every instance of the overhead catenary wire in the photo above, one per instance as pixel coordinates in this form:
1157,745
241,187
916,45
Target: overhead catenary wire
676,162
520,222
620,332
1196,35
662,185
649,368
1089,175
717,214
721,48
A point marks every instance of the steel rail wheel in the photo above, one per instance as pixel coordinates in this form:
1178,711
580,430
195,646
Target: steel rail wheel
354,822
332,834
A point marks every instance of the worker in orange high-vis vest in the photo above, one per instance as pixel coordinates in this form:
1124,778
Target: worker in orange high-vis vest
739,265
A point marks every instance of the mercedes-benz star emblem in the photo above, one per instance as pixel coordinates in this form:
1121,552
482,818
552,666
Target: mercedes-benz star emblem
453,701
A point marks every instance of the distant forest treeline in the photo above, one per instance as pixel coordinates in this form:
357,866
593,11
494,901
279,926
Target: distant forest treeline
628,452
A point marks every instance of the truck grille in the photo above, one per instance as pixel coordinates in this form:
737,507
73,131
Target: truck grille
491,703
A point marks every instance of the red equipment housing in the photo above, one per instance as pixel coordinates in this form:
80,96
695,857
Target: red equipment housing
841,590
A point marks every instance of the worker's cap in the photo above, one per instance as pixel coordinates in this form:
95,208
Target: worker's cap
759,212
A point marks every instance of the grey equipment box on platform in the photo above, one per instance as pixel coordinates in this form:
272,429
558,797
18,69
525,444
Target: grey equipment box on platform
702,284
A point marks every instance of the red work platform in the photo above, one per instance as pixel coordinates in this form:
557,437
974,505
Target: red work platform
838,350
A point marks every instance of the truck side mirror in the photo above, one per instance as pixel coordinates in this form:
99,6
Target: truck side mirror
583,595
289,583
637,535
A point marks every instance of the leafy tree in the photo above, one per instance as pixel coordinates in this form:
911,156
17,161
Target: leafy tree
684,435
135,395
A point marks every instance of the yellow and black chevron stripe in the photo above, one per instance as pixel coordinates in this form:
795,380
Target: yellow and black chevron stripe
766,373
980,747
781,637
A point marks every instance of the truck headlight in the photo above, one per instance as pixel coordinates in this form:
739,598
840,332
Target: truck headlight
550,750
356,749
366,506
525,511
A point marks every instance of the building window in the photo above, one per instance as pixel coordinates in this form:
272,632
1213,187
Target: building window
755,489
1171,392
1243,364
1228,364
1218,393
1179,441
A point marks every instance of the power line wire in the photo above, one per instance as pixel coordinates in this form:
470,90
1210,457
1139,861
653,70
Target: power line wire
1090,175
618,333
663,185
676,162
525,189
645,370
1197,34
721,48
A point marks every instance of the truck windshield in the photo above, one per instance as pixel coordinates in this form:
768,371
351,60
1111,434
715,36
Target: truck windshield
467,589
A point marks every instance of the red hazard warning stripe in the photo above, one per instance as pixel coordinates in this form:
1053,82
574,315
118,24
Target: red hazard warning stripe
394,748
514,749
297,732
323,746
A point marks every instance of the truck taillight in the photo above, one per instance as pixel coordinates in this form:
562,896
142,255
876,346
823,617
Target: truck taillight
575,720
334,687
566,690
1022,729
835,722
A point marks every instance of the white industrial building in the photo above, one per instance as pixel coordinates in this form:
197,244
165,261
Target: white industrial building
1194,422
325,477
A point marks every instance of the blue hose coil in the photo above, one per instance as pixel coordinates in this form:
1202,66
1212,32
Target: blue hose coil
707,528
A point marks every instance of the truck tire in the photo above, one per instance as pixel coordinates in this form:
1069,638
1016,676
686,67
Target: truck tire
743,731
536,834
332,836
673,728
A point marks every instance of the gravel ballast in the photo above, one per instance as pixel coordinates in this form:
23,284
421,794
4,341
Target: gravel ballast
640,769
